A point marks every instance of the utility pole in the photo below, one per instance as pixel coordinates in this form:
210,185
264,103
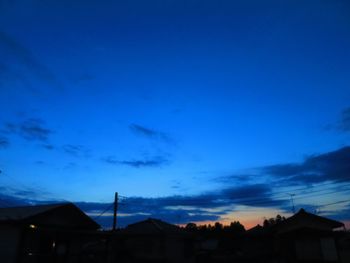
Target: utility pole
291,199
115,211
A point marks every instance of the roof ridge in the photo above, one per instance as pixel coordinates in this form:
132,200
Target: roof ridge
41,205
153,221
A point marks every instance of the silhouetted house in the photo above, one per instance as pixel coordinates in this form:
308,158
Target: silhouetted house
258,245
343,244
154,240
45,233
305,237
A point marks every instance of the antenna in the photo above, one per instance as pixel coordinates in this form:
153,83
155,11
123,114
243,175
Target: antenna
292,201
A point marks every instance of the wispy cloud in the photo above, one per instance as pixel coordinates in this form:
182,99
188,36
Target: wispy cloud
331,166
48,146
344,123
156,161
182,209
30,129
150,133
11,50
218,204
34,129
76,150
16,196
4,142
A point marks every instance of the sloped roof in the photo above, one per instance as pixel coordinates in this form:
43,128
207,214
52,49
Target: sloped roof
305,219
72,216
258,229
25,212
153,226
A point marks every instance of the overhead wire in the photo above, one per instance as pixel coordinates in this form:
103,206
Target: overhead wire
247,201
103,212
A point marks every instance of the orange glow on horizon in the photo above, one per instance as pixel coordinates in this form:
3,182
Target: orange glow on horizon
247,216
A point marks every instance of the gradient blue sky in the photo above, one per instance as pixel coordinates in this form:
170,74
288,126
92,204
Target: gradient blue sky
167,102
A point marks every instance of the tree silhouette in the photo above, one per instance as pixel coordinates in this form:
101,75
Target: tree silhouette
273,221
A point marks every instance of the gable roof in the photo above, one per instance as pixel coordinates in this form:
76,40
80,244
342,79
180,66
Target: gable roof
304,219
153,226
61,214
24,212
256,230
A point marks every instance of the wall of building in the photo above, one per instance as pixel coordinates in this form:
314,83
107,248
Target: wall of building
9,242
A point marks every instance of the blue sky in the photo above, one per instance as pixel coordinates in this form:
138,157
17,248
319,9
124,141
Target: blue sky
168,102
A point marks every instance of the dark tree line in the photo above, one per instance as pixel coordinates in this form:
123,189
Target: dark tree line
235,228
273,221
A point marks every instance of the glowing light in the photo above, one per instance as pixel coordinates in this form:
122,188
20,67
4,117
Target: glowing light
33,226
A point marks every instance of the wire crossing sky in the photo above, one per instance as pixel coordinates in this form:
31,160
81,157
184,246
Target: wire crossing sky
192,110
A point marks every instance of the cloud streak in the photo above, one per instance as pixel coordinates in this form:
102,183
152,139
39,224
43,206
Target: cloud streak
176,209
30,129
211,206
4,142
332,166
344,123
156,161
76,150
150,133
216,205
12,50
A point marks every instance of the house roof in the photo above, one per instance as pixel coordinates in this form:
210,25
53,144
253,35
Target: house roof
256,230
153,226
308,220
24,212
61,214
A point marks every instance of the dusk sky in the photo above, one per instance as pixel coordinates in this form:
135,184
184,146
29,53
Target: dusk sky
193,111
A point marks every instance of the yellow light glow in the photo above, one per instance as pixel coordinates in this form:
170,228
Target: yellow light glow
33,226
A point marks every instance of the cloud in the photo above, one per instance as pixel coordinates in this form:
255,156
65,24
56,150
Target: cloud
4,142
33,129
156,161
20,196
235,178
150,133
211,206
48,146
13,52
76,150
110,160
344,123
248,195
332,166
30,129
217,205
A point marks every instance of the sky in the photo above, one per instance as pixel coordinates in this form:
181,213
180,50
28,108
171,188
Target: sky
193,111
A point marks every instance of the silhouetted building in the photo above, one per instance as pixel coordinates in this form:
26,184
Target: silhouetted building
154,240
258,245
305,237
45,233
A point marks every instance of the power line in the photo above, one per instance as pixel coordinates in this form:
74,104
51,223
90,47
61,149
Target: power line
104,211
335,203
245,201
